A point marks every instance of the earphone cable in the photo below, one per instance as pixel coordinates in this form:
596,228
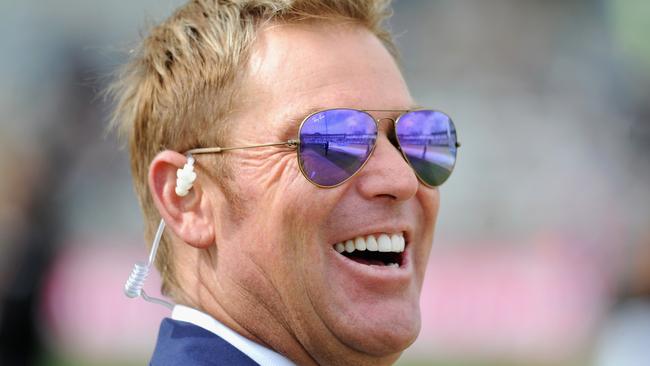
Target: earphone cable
135,282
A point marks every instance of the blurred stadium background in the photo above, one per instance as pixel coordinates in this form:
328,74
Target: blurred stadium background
542,250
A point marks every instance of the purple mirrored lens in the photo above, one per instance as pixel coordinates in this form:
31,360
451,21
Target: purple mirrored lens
334,144
428,140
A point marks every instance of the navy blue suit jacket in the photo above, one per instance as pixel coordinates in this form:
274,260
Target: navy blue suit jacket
182,343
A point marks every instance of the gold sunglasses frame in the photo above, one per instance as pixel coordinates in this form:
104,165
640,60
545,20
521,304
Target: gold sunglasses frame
294,143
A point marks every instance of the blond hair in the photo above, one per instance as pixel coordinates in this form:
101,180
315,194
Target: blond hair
178,87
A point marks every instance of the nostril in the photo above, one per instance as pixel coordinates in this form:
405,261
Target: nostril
388,196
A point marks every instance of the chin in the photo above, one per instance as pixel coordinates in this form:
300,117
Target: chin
380,331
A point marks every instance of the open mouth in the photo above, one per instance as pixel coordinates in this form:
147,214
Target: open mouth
374,250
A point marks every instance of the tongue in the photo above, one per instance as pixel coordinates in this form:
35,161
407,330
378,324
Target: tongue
369,262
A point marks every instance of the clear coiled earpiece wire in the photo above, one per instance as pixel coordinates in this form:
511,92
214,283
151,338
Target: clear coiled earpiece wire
133,287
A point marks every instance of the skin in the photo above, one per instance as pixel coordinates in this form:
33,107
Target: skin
271,273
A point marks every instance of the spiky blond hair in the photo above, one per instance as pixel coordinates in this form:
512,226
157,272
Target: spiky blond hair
178,86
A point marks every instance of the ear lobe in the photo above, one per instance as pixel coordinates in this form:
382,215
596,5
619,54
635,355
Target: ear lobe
189,217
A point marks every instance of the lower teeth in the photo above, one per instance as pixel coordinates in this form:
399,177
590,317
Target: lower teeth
392,265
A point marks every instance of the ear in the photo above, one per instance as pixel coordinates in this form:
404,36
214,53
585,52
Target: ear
189,217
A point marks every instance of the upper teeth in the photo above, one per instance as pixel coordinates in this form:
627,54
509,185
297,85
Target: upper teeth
383,243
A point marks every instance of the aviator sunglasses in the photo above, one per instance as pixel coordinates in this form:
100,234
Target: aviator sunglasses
334,144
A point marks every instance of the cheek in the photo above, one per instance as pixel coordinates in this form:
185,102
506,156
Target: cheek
429,200
301,227
284,242
286,212
286,215
301,214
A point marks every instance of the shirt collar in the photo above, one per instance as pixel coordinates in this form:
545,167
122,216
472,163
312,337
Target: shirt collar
259,353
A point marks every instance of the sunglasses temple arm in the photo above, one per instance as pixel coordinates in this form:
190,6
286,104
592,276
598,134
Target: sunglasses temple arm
212,150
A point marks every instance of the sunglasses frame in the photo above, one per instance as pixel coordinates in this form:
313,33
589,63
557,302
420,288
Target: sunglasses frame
295,143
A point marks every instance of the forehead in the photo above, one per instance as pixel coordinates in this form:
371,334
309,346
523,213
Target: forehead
296,69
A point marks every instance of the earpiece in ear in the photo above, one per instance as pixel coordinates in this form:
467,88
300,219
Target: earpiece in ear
185,177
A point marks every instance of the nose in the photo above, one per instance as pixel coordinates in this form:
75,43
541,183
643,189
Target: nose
387,174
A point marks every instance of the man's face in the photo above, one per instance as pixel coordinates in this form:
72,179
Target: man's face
278,262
